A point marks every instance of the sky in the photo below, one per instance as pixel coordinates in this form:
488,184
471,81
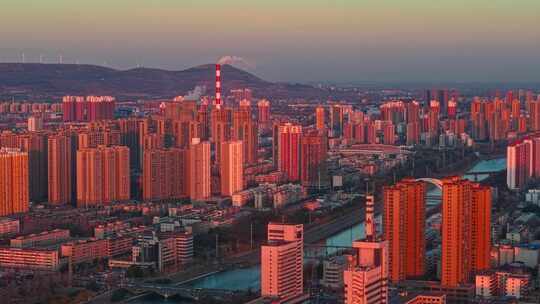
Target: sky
286,40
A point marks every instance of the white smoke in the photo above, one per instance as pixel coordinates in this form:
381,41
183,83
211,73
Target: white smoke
235,60
196,93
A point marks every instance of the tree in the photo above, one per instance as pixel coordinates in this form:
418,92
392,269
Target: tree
118,295
93,286
134,272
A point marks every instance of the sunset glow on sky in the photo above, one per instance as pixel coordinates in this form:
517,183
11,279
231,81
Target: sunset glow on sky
300,40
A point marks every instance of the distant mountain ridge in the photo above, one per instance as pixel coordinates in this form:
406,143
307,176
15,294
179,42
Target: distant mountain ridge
51,81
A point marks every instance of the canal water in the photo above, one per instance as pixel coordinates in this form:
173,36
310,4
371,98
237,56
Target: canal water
249,278
433,195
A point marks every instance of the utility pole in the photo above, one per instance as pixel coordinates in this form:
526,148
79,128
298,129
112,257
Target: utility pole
319,176
413,164
70,270
444,158
251,236
367,185
217,246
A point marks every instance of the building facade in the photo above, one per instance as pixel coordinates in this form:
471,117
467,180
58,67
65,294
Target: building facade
198,170
164,174
466,242
404,228
14,181
282,262
232,167
102,176
288,150
60,171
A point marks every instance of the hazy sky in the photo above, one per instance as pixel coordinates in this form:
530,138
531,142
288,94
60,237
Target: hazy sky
287,40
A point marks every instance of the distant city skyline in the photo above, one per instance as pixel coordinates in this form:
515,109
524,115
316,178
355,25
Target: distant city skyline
389,152
339,41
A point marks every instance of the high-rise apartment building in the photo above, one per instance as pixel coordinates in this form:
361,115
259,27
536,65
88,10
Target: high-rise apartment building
282,262
89,108
184,131
35,144
289,139
389,133
336,120
203,118
534,171
246,130
221,127
245,105
371,134
480,227
198,170
404,225
95,138
478,118
534,115
313,158
523,161
102,175
14,181
519,163
242,94
412,112
263,107
60,170
320,118
413,133
455,252
232,167
164,174
433,118
394,111
129,136
466,209
35,123
359,132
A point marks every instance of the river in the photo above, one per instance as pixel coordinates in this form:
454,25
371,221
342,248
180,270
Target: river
249,278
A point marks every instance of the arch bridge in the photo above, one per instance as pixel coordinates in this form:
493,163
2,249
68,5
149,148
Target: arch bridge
434,181
438,183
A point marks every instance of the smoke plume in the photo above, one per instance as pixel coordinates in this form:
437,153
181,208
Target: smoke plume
196,93
235,60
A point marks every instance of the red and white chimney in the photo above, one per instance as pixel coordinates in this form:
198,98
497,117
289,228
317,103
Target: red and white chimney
370,218
218,85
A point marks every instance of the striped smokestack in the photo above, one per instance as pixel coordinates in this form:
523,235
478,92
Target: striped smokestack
218,85
370,218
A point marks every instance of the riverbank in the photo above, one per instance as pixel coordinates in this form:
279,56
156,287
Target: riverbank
314,232
246,264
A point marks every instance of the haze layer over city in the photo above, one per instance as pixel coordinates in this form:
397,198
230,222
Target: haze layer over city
356,152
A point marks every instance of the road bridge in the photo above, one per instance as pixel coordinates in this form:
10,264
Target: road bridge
321,251
481,173
187,292
438,182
